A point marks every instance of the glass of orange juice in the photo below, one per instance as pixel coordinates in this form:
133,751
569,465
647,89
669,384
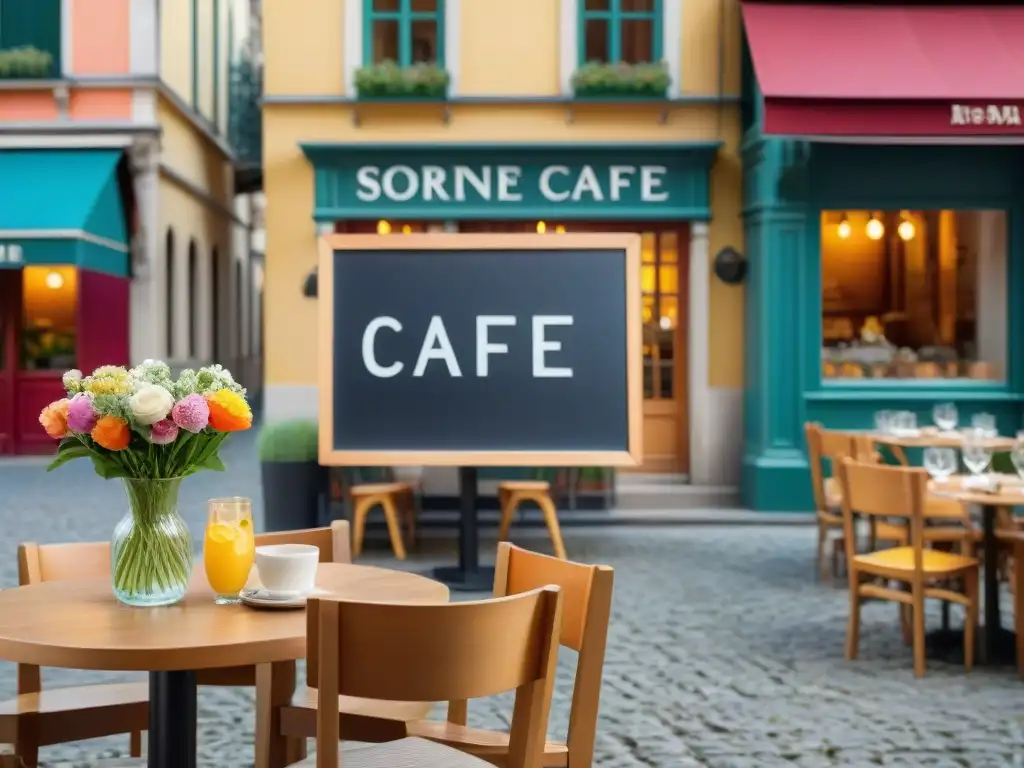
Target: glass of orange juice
229,547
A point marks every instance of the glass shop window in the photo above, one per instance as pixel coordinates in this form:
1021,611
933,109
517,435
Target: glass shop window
49,338
620,30
914,294
406,32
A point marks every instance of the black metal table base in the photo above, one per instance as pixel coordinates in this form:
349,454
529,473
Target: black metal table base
948,645
480,579
468,575
172,720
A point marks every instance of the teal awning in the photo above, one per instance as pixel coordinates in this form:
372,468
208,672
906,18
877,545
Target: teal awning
63,207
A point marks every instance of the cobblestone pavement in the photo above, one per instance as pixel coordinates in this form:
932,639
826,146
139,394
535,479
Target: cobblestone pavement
724,652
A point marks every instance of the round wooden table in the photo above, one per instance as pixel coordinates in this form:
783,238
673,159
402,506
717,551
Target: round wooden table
81,625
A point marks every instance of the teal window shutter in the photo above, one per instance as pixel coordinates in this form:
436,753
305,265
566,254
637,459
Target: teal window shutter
403,31
629,31
36,23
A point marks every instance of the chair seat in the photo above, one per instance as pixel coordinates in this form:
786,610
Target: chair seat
404,753
902,559
368,489
538,486
483,743
384,719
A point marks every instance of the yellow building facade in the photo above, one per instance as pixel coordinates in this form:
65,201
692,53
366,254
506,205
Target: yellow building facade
516,143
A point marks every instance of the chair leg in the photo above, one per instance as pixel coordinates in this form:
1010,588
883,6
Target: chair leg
905,630
360,509
971,619
509,502
838,549
918,619
394,530
822,535
547,507
853,625
135,744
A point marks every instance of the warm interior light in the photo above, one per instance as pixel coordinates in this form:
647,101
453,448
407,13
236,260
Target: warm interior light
875,228
383,227
665,322
560,230
406,229
541,227
906,230
844,229
54,280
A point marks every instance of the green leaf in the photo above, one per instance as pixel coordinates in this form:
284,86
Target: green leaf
68,450
212,462
107,468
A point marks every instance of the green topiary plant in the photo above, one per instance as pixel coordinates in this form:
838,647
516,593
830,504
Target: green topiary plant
25,62
390,81
642,81
289,441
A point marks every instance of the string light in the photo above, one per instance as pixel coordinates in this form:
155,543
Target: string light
383,227
54,280
875,228
844,229
906,230
541,227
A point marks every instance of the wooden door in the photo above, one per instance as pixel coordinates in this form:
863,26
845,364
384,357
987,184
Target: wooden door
10,301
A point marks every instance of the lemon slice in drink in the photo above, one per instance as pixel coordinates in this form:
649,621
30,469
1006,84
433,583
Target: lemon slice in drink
222,533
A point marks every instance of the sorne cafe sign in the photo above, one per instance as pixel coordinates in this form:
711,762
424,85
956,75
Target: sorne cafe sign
509,184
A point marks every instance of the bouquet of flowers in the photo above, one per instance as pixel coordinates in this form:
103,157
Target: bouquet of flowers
142,425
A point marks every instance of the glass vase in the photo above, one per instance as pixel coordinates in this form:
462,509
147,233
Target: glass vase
151,551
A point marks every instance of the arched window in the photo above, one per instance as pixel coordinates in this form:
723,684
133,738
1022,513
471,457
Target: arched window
169,267
215,304
193,297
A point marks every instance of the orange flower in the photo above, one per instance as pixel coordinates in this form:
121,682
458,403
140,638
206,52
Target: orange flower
112,433
54,418
228,411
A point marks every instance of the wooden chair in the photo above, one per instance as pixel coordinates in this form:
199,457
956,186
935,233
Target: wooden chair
398,502
512,493
459,651
823,444
880,491
586,607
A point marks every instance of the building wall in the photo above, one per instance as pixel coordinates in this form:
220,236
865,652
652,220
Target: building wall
509,61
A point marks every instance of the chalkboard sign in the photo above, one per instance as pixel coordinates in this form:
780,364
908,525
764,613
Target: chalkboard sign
482,350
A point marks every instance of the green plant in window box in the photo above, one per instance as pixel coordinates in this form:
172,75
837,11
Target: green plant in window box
25,63
388,80
598,80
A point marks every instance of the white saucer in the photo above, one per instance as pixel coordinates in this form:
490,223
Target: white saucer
261,598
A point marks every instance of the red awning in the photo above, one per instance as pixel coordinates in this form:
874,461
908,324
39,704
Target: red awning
889,70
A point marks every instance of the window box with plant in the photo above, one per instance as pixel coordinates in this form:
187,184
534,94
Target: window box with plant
293,480
25,63
389,80
597,80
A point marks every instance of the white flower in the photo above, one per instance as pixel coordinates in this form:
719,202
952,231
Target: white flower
150,404
72,376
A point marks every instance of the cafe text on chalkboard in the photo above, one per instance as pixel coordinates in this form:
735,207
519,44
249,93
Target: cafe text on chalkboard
480,350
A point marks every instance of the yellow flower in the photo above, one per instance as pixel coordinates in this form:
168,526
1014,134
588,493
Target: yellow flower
228,411
108,380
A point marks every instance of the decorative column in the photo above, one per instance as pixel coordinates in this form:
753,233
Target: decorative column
701,423
149,270
774,461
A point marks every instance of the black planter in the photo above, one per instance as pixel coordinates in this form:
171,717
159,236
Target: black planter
292,492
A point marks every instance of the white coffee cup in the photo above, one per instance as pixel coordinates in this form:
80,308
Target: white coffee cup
287,570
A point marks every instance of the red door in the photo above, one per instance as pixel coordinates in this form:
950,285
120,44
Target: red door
10,301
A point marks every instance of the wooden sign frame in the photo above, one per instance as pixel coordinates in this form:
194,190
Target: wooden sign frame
628,243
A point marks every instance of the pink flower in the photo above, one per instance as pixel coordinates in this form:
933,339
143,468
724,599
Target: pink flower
81,416
191,413
163,432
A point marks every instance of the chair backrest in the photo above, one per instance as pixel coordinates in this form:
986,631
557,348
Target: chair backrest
91,560
401,652
875,490
827,444
586,610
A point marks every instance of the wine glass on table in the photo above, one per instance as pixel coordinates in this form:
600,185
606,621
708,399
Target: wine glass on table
940,463
977,453
945,417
